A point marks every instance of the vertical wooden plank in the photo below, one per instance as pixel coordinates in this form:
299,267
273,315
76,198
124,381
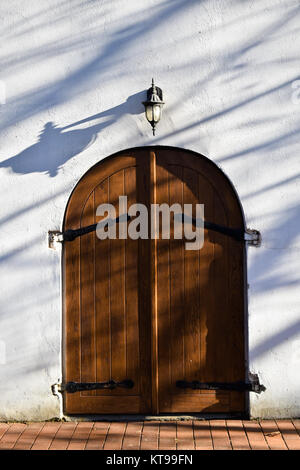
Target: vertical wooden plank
154,319
87,293
236,315
177,306
72,331
206,291
131,290
117,287
219,325
191,289
145,289
163,297
102,295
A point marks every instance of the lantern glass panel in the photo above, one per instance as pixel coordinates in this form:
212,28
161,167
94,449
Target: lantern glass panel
149,112
156,112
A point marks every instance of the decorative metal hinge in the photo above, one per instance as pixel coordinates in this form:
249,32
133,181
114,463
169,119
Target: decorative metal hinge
55,236
252,386
72,387
252,237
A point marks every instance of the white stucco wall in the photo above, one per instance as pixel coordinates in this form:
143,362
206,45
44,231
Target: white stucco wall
227,70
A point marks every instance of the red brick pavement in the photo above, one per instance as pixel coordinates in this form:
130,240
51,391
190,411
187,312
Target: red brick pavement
153,435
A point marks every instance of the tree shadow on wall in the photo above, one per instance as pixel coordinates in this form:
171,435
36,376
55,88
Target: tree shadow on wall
56,145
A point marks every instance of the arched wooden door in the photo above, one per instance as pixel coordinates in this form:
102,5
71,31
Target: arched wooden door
151,311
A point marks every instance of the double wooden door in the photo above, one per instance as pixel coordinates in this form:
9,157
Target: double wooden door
149,310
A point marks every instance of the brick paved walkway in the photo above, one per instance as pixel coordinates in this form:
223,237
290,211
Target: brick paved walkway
151,435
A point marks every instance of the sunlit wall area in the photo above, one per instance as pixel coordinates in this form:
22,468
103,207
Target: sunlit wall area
73,75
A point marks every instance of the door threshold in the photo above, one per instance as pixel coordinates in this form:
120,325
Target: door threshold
161,417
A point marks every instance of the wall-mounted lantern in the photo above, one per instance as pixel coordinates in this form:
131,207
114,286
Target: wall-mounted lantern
153,105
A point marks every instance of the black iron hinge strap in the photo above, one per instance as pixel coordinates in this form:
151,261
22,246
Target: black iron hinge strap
72,387
70,235
238,386
236,233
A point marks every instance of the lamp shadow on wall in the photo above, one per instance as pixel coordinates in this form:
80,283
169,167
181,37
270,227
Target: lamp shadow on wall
56,145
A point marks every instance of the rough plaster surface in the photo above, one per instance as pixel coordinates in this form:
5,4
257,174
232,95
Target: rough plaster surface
75,73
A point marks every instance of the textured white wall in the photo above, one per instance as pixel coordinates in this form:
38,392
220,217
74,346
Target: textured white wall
75,73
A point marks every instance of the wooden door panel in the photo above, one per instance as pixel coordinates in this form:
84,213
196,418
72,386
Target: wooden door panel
199,296
150,310
107,334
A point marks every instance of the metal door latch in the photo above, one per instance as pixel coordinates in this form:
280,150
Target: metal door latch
72,387
252,385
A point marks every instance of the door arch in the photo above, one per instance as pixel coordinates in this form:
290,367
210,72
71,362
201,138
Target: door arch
148,310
